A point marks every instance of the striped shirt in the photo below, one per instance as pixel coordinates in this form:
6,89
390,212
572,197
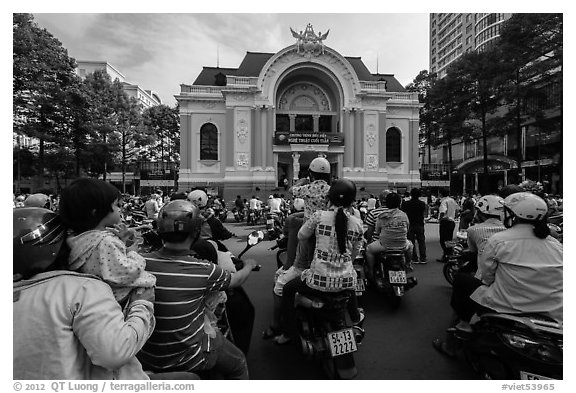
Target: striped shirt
182,282
370,220
479,234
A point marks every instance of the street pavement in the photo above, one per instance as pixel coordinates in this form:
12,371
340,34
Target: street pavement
398,340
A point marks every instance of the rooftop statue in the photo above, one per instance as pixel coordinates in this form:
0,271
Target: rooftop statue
309,42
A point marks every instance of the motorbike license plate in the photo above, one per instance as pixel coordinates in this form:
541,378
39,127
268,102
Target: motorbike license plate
397,277
360,287
270,221
525,375
342,342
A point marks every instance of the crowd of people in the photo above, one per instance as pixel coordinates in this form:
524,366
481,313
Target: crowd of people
89,305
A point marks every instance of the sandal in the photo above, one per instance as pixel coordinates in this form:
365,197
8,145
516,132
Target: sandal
271,332
440,346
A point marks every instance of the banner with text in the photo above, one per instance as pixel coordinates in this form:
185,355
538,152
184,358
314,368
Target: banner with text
308,138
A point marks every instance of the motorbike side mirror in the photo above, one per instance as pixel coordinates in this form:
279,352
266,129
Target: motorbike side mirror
254,238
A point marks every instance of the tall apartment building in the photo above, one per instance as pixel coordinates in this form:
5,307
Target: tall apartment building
451,35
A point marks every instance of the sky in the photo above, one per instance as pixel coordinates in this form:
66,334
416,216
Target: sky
160,51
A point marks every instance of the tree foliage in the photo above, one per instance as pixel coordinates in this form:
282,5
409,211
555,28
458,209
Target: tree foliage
164,123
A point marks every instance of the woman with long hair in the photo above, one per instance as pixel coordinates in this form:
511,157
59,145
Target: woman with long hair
338,240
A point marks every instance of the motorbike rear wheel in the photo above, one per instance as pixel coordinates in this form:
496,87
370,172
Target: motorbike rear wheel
450,270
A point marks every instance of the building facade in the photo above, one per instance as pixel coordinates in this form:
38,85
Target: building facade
451,35
540,141
244,130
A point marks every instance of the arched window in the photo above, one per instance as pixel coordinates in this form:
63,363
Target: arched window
393,145
208,142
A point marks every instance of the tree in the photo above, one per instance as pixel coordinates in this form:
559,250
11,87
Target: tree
531,53
42,74
476,75
422,84
164,123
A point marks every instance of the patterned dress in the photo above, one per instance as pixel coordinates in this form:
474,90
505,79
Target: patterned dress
331,271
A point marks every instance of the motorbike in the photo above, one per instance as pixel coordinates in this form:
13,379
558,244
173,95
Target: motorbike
221,214
273,225
506,346
253,217
556,225
237,313
238,214
326,334
460,259
390,275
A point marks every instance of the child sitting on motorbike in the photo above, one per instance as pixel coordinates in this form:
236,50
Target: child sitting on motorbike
100,244
338,240
392,225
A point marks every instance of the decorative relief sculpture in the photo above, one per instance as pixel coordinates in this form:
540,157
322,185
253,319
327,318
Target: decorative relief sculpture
371,137
242,131
372,162
242,160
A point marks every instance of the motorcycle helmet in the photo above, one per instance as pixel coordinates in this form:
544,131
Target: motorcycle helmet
37,200
179,216
526,206
490,205
342,192
198,198
319,165
38,235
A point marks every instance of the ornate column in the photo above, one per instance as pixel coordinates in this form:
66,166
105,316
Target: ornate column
292,123
257,153
229,138
315,123
358,139
295,165
348,140
271,112
264,135
382,140
185,143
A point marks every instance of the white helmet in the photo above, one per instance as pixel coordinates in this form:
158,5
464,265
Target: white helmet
526,205
491,205
298,204
320,165
198,197
37,200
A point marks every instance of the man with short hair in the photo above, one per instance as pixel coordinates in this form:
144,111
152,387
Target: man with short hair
415,209
392,229
370,220
181,341
446,215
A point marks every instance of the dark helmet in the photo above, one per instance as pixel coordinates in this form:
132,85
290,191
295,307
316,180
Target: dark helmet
509,190
342,192
179,216
38,235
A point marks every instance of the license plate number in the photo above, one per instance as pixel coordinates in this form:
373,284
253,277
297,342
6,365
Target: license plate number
397,277
525,375
360,287
342,342
270,222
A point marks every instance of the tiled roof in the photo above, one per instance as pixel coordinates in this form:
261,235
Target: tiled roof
208,75
253,63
